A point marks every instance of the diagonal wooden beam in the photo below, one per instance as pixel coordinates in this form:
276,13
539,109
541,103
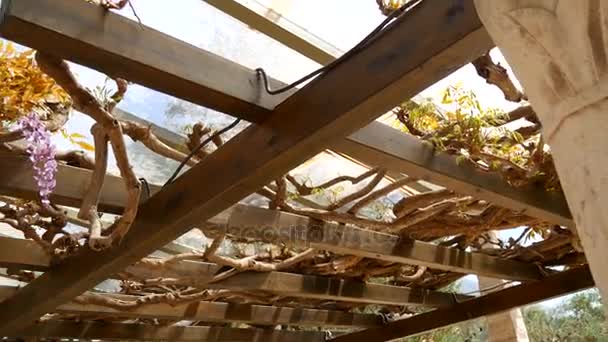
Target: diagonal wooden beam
89,330
219,312
243,221
557,285
407,57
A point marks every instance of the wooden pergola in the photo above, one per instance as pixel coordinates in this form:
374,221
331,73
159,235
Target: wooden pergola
336,112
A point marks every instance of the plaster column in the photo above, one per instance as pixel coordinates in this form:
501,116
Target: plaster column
558,51
506,326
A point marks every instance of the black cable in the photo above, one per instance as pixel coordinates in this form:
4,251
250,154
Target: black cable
198,148
364,42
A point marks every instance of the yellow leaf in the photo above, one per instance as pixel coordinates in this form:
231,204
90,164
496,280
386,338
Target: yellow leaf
77,136
85,145
10,49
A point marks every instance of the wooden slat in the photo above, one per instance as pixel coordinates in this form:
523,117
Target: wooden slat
198,274
86,34
23,254
144,332
243,220
253,16
26,254
557,285
410,55
72,182
276,226
378,144
220,312
334,289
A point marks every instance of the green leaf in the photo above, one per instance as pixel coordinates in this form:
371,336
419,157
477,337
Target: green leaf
460,159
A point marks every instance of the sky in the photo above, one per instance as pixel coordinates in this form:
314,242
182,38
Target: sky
339,23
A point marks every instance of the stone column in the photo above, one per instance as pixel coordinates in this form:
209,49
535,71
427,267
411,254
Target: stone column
558,51
506,326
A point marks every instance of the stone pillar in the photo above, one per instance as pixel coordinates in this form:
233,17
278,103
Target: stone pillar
506,326
558,51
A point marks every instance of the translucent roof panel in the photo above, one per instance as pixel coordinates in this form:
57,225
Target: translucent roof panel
202,25
340,23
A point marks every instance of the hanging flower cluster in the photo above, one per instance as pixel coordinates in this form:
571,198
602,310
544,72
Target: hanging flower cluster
42,154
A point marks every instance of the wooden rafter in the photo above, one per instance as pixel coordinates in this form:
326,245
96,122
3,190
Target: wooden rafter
72,182
557,285
23,254
145,332
198,274
272,226
378,144
241,220
286,284
219,312
300,41
409,56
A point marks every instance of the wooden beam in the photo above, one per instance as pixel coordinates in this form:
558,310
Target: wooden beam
219,312
276,226
72,182
296,38
379,144
89,35
557,285
197,273
26,254
333,289
407,57
23,254
145,332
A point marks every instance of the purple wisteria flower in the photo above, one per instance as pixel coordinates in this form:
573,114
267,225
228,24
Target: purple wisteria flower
42,154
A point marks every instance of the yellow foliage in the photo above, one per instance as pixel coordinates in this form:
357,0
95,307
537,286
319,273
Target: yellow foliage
23,86
85,145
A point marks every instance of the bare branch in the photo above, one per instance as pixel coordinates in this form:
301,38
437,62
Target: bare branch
497,75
